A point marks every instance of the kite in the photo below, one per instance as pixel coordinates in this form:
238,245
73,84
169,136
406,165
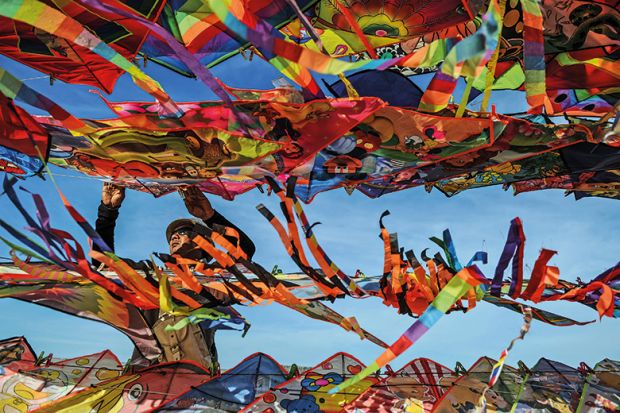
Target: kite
422,380
389,141
259,384
309,391
233,389
51,53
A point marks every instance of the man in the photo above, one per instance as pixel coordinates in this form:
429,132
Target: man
191,342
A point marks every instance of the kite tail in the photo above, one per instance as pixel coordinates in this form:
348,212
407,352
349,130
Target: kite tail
534,55
291,240
328,266
497,367
14,88
513,250
268,44
183,54
459,284
468,57
75,258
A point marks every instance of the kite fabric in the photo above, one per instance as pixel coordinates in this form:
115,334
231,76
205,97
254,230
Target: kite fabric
27,42
259,384
378,149
564,58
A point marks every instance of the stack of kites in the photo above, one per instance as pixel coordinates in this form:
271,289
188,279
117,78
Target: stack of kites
374,130
259,384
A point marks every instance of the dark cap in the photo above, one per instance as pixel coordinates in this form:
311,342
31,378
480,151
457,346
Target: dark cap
183,223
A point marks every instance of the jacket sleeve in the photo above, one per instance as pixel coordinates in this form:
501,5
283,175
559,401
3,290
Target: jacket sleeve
245,242
105,225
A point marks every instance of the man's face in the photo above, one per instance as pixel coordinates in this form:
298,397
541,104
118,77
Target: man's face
179,239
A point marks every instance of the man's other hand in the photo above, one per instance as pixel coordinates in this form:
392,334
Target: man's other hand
112,195
196,202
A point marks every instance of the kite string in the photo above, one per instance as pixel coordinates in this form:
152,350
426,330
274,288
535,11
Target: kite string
497,367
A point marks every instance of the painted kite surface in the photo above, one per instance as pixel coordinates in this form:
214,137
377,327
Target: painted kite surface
99,383
308,391
564,55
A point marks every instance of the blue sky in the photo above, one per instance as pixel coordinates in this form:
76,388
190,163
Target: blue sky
584,233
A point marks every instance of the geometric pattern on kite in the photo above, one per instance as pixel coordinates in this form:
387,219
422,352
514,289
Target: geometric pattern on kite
577,83
16,353
581,46
433,379
308,391
381,22
51,54
551,385
545,165
519,140
422,380
567,26
233,389
393,140
377,150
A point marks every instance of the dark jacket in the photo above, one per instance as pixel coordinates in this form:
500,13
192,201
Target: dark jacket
105,226
106,223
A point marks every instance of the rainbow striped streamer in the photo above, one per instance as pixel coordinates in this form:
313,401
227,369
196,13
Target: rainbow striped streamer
253,30
15,89
491,66
534,55
463,281
497,367
44,17
467,58
292,70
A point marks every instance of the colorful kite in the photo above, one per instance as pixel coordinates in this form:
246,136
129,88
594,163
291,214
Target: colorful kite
259,384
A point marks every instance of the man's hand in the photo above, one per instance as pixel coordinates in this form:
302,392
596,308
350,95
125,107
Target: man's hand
112,195
196,202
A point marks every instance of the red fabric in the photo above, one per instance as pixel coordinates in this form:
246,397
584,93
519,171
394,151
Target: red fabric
19,131
69,62
578,76
582,76
605,304
536,284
